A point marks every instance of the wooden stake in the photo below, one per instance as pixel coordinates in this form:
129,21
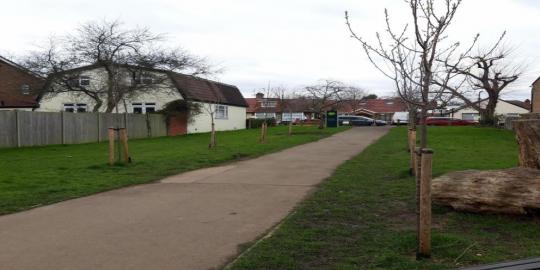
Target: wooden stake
412,148
124,140
111,146
424,224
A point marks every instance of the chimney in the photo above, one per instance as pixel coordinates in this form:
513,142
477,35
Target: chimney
259,95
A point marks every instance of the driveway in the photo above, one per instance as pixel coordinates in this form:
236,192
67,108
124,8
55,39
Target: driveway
194,220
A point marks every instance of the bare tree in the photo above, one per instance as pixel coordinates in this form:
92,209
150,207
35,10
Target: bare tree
324,95
353,97
409,58
212,108
127,57
486,70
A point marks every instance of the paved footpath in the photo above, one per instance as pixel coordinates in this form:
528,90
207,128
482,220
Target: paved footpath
194,220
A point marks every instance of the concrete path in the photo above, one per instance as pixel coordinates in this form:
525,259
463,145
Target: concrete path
194,220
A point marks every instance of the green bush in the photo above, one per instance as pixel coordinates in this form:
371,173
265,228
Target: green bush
257,123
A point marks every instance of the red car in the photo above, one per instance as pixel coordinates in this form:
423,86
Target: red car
448,121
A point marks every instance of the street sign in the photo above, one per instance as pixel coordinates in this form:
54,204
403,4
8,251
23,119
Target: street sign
331,119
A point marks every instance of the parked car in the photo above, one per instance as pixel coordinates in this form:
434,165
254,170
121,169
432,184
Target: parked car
353,120
448,121
400,118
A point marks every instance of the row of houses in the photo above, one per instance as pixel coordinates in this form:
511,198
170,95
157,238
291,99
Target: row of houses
20,89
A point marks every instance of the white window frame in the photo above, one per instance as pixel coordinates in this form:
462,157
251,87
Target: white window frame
83,81
265,115
26,89
144,106
144,79
222,111
75,107
293,116
268,103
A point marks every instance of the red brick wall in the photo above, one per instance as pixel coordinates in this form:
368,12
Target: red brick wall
11,80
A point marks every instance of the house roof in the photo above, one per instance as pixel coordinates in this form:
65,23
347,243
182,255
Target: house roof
518,103
10,89
523,104
199,89
192,87
388,105
294,105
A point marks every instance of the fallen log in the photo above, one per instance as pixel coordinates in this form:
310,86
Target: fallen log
508,191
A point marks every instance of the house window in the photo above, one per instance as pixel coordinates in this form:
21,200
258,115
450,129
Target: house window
470,116
144,79
265,115
75,107
80,81
293,116
268,103
144,107
222,112
25,89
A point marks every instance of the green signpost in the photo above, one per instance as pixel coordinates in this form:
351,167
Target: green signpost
331,119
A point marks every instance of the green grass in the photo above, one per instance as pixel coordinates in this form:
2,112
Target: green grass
363,217
42,175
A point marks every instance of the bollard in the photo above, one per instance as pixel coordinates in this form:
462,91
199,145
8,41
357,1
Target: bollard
424,224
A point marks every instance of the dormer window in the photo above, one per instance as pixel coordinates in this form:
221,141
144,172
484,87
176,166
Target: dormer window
81,81
25,89
143,79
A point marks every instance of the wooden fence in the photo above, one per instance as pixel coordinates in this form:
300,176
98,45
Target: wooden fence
24,128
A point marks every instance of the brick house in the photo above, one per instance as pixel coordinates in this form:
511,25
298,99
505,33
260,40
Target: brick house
535,96
19,88
381,109
261,107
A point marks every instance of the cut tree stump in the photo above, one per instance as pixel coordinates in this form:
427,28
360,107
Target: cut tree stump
508,191
528,137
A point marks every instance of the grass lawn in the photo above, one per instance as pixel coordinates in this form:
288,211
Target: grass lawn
363,217
42,175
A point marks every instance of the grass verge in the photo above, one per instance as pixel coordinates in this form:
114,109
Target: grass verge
37,176
363,217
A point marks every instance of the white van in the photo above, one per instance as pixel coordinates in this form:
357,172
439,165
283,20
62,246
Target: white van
400,118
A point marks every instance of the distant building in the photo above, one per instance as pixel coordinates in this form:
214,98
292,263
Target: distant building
19,88
535,96
504,108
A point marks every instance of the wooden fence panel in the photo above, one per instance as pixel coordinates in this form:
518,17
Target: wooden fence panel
8,129
137,126
26,128
39,128
158,125
80,128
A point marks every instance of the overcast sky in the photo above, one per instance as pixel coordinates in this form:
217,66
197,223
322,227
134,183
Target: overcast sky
285,42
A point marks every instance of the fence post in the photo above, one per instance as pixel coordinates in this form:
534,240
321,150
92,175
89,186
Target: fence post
98,127
18,127
424,224
62,127
111,146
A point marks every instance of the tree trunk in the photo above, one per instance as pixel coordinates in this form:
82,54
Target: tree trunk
290,127
423,129
322,118
508,191
263,132
487,116
212,136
